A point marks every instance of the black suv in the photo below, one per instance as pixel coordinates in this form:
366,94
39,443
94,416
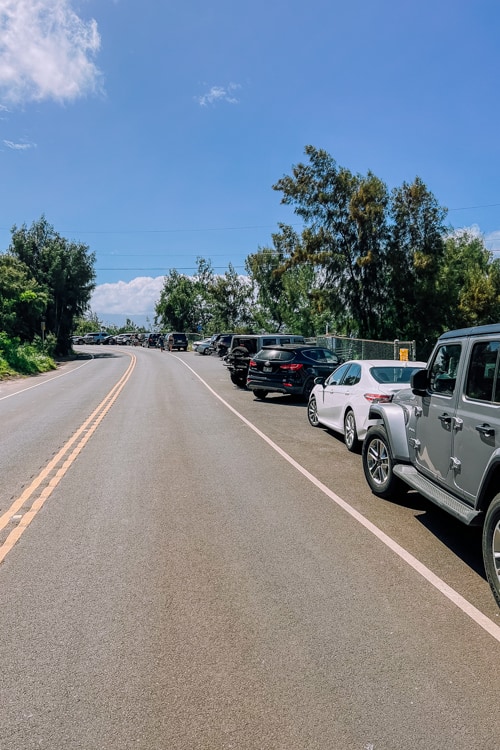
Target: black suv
177,341
151,340
243,348
290,368
223,344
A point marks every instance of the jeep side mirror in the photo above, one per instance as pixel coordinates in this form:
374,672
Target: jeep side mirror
420,382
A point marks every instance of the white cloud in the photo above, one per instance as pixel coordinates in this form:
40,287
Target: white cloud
19,146
136,297
46,51
218,94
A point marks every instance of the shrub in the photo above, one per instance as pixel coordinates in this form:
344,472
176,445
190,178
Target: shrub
23,359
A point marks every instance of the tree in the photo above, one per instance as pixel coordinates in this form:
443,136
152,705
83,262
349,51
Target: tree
468,282
22,301
283,294
231,299
415,255
344,238
176,309
64,270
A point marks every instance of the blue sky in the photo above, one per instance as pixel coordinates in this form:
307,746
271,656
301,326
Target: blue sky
153,131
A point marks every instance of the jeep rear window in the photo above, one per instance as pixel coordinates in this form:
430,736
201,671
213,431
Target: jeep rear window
482,378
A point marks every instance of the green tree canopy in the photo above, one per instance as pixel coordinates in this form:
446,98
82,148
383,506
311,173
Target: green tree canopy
22,300
64,270
344,237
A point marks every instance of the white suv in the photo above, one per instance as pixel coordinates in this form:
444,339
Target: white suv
95,338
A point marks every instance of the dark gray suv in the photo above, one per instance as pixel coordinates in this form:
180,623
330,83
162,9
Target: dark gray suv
177,341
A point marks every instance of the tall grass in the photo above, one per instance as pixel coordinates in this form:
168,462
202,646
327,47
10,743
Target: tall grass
24,359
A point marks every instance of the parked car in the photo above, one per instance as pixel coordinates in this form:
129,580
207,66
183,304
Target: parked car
223,344
124,338
342,401
177,341
77,340
95,338
289,368
111,340
244,346
151,340
204,346
442,437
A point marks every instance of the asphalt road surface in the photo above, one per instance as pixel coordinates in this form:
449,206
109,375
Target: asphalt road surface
184,567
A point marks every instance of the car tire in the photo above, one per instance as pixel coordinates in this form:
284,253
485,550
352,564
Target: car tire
238,380
259,393
312,412
491,546
378,463
308,386
350,433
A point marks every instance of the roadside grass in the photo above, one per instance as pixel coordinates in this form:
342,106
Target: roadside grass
23,359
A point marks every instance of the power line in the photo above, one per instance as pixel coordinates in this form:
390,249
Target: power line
218,229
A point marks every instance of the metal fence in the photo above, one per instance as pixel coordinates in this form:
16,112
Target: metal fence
348,348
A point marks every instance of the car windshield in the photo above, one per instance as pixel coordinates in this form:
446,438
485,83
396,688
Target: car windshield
393,374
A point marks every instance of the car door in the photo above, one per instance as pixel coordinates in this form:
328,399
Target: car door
477,429
435,418
337,387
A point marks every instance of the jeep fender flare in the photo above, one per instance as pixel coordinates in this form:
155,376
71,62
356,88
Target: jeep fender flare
392,417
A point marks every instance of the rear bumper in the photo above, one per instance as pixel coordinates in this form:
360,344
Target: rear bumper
262,385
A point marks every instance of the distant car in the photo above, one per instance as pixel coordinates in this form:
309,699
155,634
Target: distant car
342,402
110,340
223,344
95,338
124,338
151,340
289,368
203,347
77,340
177,341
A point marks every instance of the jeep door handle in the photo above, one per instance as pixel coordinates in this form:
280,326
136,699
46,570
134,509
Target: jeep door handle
486,430
445,419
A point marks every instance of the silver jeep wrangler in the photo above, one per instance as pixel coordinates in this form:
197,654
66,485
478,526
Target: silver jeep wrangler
442,437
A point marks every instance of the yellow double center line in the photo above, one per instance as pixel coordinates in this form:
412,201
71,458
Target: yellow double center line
51,475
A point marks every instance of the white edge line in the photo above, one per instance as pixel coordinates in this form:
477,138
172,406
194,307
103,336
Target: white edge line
469,609
48,380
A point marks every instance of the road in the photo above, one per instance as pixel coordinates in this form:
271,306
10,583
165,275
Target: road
186,568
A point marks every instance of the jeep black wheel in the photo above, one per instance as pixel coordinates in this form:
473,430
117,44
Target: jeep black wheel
491,546
378,463
312,412
238,380
259,393
350,432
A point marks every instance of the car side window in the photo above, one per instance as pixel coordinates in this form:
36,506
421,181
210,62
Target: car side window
482,378
443,370
353,375
337,375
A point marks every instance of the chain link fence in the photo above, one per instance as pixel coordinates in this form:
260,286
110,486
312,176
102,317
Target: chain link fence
349,348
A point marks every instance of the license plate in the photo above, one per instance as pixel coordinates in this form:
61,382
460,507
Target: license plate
267,369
